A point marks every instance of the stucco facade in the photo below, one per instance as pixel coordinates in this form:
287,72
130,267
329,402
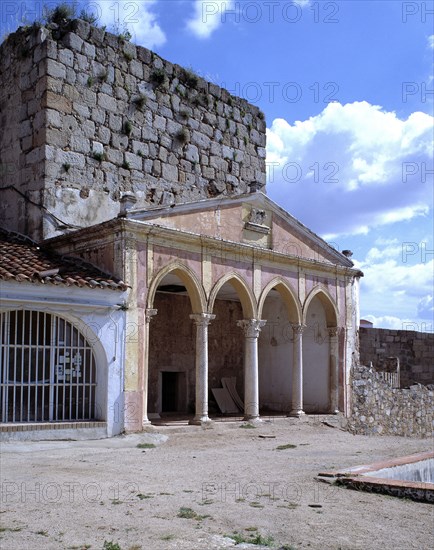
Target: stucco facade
217,277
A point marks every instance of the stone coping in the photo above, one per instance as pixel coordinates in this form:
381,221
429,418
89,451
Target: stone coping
359,477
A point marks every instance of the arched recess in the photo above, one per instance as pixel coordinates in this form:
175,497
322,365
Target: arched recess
53,368
280,307
175,293
188,277
328,303
288,296
231,300
319,316
243,291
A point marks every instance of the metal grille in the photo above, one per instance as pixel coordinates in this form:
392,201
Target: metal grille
48,371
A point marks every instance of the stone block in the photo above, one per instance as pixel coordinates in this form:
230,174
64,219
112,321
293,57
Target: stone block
55,69
68,157
104,134
73,41
66,57
98,115
135,162
107,102
88,128
97,34
81,28
149,134
53,118
81,110
89,50
136,68
97,148
192,153
159,123
56,137
82,62
71,75
114,156
79,143
201,140
115,123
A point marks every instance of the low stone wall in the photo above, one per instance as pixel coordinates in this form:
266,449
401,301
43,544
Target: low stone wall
415,351
377,408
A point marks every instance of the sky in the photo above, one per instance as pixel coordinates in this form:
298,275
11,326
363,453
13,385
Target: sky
347,91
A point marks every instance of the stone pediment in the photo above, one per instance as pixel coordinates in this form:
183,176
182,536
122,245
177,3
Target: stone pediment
252,219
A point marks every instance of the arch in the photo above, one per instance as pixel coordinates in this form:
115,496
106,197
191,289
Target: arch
188,277
245,294
327,302
288,296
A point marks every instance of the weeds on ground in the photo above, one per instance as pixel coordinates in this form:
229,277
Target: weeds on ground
255,504
145,446
256,539
188,513
248,426
141,496
110,545
284,447
167,537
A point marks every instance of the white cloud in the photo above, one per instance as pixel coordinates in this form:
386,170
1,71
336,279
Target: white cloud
136,17
425,307
396,323
208,16
394,290
431,42
352,167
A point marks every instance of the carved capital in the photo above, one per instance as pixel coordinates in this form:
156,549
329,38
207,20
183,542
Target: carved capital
202,319
297,328
333,331
251,327
149,313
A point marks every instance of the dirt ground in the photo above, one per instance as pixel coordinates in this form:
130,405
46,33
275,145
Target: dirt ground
228,482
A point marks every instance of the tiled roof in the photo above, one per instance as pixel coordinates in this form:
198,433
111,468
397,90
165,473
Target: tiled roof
23,260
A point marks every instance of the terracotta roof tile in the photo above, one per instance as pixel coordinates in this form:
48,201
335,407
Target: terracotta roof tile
21,259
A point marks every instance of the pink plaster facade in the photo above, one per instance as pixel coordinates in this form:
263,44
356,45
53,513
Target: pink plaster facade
191,250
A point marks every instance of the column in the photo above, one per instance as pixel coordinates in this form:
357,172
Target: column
251,328
334,370
149,313
202,320
297,371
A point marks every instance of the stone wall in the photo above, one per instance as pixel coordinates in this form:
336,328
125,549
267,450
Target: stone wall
377,408
415,351
88,116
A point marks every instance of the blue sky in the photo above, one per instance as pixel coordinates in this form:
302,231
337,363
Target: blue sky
346,87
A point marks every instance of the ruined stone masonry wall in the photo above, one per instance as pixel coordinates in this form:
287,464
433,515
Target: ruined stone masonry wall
379,409
414,349
88,116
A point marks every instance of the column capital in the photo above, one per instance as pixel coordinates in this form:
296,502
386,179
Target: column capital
333,331
202,319
251,327
298,328
149,313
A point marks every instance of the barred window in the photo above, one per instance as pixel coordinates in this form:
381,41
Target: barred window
48,370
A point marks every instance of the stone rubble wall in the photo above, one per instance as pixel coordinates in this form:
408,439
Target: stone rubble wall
89,116
377,408
415,351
